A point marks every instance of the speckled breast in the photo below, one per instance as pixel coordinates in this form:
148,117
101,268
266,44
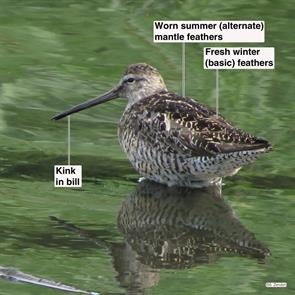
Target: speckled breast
145,152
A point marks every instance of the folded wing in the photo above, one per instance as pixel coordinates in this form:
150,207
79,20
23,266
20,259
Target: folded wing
184,125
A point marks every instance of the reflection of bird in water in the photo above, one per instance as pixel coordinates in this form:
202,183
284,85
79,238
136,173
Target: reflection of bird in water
172,228
183,227
173,139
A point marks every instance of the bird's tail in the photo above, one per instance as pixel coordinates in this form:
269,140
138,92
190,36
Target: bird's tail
260,145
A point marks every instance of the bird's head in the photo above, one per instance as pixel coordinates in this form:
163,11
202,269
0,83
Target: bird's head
139,81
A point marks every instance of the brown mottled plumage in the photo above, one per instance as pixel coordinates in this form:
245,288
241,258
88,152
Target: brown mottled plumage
173,139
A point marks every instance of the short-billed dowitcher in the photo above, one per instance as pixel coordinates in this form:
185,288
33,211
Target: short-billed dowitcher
173,139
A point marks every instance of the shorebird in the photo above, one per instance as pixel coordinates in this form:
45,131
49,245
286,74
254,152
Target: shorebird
172,139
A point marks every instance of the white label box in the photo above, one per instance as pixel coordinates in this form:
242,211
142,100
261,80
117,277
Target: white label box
67,176
225,31
237,58
276,284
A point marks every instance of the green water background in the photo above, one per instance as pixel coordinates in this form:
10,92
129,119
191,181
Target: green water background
55,54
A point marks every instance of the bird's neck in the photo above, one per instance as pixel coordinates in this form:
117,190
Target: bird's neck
143,94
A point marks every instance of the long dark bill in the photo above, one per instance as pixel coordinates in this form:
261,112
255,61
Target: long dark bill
88,104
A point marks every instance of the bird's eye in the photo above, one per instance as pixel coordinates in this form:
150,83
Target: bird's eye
130,80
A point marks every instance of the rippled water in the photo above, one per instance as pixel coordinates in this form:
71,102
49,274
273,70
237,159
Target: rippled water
114,235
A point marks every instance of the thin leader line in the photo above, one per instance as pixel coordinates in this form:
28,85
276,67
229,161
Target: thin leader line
183,69
69,140
217,92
